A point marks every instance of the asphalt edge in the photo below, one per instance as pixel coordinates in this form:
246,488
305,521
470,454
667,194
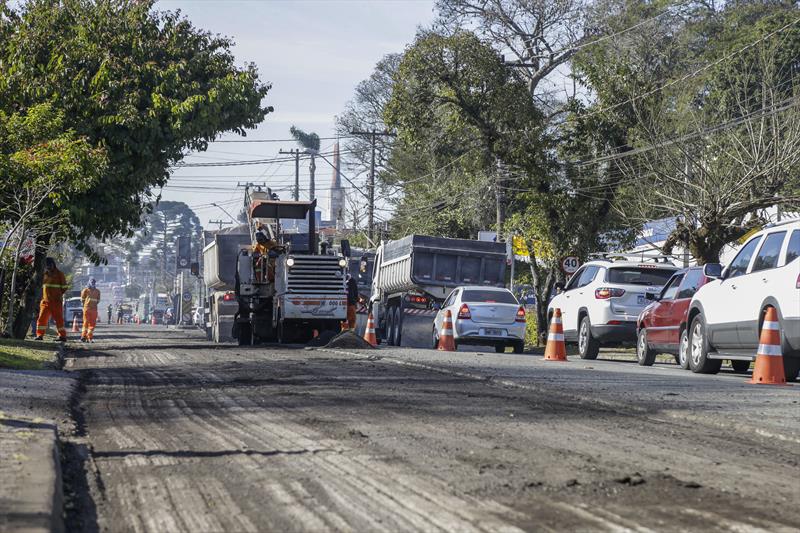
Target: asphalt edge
617,407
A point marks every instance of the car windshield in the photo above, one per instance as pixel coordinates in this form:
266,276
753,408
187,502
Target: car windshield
639,275
488,297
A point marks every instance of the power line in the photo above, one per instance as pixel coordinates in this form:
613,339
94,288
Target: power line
279,140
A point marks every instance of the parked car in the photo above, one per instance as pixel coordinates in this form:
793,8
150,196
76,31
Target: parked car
73,311
602,301
483,316
198,317
726,314
661,327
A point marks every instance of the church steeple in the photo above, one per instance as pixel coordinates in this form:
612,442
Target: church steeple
336,204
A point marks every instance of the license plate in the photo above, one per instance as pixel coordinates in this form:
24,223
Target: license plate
493,332
640,299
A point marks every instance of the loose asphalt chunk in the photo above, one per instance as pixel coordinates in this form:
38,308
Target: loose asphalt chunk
350,341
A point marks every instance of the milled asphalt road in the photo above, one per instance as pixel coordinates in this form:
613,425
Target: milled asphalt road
176,434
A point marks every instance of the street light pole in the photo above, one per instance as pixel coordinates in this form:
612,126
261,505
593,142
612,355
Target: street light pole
374,134
226,212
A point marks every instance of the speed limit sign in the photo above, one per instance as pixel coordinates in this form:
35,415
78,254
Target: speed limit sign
570,264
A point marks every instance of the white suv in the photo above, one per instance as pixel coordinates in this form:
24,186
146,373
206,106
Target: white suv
602,301
726,314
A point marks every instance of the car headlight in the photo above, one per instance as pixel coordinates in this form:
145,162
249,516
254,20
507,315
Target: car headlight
342,262
290,262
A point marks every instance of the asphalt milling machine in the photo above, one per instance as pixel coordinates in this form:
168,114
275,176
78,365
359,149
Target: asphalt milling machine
294,293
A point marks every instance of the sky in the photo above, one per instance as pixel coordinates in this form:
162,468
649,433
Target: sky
314,53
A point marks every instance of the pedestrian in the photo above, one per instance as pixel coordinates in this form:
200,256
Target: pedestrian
120,313
54,285
90,296
262,247
110,309
352,301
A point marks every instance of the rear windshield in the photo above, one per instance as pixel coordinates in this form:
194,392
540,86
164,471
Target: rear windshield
489,297
639,276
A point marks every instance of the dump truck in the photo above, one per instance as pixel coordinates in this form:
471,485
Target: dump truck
414,275
294,291
219,277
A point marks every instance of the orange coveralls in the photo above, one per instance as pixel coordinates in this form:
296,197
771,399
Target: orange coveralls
53,287
264,249
90,298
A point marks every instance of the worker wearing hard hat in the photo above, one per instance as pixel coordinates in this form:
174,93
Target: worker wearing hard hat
262,247
54,284
90,296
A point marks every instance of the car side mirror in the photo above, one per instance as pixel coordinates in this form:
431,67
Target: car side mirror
653,297
712,270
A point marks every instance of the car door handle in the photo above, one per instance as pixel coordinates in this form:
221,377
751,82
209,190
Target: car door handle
733,287
764,280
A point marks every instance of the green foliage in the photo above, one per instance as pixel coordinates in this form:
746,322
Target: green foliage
306,140
145,86
531,331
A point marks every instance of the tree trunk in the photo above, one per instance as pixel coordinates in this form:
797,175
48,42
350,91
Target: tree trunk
32,294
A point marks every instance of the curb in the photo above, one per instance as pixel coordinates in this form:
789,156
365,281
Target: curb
37,499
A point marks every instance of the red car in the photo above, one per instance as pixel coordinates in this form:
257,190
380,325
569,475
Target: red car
661,327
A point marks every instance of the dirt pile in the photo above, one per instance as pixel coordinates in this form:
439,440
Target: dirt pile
350,341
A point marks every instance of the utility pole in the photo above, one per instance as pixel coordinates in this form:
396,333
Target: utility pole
374,134
312,167
296,153
220,222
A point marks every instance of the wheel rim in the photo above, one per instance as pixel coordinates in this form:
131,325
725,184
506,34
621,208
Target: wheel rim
583,337
697,343
642,345
682,348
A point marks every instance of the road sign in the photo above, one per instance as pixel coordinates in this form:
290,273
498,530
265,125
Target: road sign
570,264
183,262
187,296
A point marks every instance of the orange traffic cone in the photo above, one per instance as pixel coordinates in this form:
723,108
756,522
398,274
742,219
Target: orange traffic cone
769,358
447,342
369,332
75,326
153,320
555,350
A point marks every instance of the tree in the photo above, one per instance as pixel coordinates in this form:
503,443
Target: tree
714,147
453,92
144,85
310,142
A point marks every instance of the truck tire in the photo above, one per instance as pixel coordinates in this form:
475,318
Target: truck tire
209,334
398,326
699,363
588,346
245,337
791,367
390,326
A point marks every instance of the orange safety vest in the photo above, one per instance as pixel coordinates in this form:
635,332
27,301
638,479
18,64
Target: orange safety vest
90,298
53,286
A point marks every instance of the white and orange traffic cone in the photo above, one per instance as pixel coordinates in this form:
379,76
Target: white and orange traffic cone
447,342
369,332
769,358
555,350
75,326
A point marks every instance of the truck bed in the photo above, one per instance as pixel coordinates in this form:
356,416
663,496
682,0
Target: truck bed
219,260
437,264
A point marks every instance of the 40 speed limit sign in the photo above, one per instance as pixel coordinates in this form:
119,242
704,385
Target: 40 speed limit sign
570,264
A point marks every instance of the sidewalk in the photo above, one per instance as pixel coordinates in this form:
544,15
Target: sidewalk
33,404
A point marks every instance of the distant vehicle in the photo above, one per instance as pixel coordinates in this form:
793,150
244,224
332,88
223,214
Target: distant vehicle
73,311
198,317
417,272
169,317
727,313
485,316
602,301
662,326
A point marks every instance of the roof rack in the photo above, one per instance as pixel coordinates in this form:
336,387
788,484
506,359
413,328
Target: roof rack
633,256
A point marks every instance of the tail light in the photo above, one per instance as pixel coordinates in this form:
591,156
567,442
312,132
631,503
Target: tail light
604,293
464,313
520,314
228,297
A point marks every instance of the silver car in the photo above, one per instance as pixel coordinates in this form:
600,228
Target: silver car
483,316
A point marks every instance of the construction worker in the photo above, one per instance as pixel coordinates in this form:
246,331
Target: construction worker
352,301
263,246
54,285
90,296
